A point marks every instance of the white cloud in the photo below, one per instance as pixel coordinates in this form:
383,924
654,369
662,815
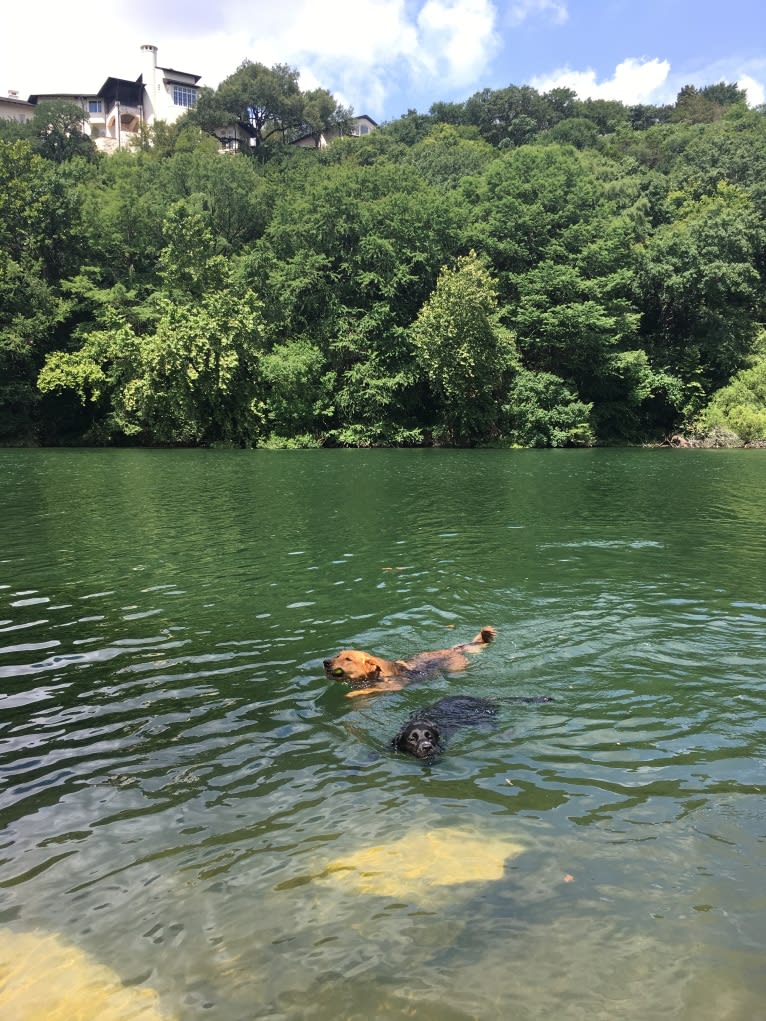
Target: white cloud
458,37
520,11
364,50
749,75
756,93
634,81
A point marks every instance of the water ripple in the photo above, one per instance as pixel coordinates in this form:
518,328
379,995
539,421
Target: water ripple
177,775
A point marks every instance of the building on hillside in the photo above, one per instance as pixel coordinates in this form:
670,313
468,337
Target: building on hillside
12,108
239,137
115,114
358,127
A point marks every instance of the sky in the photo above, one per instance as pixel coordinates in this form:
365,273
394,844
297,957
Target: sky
385,57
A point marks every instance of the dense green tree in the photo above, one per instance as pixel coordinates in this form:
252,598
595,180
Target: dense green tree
267,103
448,113
58,131
577,131
322,113
349,256
562,102
542,411
410,128
298,392
514,114
700,291
263,101
40,209
700,106
192,377
606,114
124,207
55,131
40,240
741,405
29,313
446,156
465,353
190,297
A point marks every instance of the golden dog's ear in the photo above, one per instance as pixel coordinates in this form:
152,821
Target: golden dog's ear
372,668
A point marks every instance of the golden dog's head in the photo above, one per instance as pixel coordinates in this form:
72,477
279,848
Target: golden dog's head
353,665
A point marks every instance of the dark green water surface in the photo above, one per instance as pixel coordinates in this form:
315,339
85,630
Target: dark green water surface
177,773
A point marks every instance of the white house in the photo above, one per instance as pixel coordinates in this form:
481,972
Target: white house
357,128
115,114
167,93
12,108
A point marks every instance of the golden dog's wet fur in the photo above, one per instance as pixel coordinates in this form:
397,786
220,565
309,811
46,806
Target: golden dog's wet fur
371,674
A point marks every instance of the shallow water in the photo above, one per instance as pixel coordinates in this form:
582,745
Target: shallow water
178,777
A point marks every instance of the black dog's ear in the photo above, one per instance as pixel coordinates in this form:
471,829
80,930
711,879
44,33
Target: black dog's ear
399,739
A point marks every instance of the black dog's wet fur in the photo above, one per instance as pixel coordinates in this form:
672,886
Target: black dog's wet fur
426,732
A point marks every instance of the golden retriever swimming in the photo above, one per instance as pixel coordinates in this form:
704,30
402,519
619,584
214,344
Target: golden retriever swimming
370,674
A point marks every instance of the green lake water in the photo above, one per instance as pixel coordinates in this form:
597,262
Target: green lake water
178,774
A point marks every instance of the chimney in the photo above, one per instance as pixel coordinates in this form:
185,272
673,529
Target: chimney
150,53
13,93
149,78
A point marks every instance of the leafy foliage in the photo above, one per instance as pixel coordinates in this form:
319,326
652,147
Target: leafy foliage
740,407
544,412
464,352
520,268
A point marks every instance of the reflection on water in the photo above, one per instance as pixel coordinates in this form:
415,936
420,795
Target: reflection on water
179,779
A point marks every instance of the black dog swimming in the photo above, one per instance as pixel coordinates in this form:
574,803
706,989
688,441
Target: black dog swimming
426,732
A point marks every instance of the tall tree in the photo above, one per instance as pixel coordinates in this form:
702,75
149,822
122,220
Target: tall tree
700,290
40,242
192,376
322,113
268,105
465,353
58,129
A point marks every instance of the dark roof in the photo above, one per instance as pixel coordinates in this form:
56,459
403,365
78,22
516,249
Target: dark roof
123,90
42,97
17,99
187,74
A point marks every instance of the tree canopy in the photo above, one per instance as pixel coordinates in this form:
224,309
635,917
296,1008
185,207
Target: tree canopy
267,104
522,268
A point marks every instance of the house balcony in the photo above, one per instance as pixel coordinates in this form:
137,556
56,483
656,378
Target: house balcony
125,118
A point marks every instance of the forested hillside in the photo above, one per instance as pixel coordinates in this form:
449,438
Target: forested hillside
520,269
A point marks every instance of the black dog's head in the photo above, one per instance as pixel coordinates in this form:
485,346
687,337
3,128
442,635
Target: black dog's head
420,738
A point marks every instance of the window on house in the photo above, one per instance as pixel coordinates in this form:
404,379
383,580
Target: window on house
95,106
364,129
184,96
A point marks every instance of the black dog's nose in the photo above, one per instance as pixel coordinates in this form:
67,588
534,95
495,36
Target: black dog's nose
326,662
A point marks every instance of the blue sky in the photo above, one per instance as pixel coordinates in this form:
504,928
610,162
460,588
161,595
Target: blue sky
384,57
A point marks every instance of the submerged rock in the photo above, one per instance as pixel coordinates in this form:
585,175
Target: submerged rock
415,863
44,979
